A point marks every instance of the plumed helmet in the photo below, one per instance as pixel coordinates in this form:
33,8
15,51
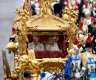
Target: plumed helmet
72,1
85,26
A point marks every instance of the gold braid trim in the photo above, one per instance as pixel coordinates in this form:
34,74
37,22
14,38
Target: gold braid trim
89,33
93,26
80,40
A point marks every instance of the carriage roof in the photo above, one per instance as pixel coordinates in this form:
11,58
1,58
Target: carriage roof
46,22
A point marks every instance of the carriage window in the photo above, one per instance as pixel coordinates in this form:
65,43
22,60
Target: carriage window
44,41
48,44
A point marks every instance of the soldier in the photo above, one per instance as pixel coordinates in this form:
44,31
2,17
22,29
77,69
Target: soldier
72,4
37,6
80,8
89,20
93,12
57,9
61,2
82,38
52,6
85,5
85,57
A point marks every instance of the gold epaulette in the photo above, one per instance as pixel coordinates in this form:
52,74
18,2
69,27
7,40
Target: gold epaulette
92,24
92,38
89,33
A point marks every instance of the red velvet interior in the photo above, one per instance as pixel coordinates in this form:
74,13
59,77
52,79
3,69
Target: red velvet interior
49,54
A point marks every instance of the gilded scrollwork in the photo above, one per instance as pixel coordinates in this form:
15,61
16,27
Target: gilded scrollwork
52,65
71,32
80,40
20,27
94,26
63,27
70,16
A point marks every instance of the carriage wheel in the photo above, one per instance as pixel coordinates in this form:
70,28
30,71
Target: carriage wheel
5,64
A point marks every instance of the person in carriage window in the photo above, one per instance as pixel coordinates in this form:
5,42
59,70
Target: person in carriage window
52,46
36,45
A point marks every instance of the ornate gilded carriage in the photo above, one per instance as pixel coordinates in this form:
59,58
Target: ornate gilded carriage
43,25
